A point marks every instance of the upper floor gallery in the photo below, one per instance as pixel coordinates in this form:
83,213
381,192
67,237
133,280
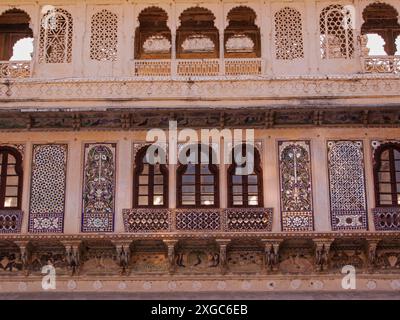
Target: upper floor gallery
259,39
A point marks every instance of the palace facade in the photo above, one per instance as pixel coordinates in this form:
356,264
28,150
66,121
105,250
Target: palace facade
76,190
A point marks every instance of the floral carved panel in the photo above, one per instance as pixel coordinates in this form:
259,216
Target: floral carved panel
296,186
98,205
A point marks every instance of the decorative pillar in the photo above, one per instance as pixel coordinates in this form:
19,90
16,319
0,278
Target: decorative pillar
173,26
222,243
221,52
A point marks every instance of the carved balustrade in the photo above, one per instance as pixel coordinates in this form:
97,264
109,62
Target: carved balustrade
197,220
152,68
381,64
238,67
15,69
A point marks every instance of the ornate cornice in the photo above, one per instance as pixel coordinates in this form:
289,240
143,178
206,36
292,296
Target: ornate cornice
202,235
145,118
200,88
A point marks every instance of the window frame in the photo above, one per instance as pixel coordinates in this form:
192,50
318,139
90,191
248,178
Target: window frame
260,186
137,171
3,178
392,170
214,169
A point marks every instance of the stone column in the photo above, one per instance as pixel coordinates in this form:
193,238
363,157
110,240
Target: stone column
311,37
26,186
73,195
320,185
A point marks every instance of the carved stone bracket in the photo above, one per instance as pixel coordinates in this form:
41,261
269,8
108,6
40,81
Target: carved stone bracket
123,255
25,252
322,247
72,253
223,244
171,254
372,244
271,254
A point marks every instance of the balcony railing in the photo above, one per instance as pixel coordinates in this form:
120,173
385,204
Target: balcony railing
198,67
387,218
15,69
152,68
198,220
381,64
238,67
10,221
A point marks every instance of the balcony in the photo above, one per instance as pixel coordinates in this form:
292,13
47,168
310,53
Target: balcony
15,69
198,220
198,67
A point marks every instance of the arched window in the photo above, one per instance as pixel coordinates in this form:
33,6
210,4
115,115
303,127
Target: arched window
55,42
104,36
14,27
387,175
197,182
10,178
150,183
381,19
242,36
336,32
245,190
288,34
197,37
153,37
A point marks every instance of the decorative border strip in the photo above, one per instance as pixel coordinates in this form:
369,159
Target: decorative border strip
142,119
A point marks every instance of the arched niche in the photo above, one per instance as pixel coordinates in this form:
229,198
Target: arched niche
14,26
382,19
242,37
153,36
197,36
